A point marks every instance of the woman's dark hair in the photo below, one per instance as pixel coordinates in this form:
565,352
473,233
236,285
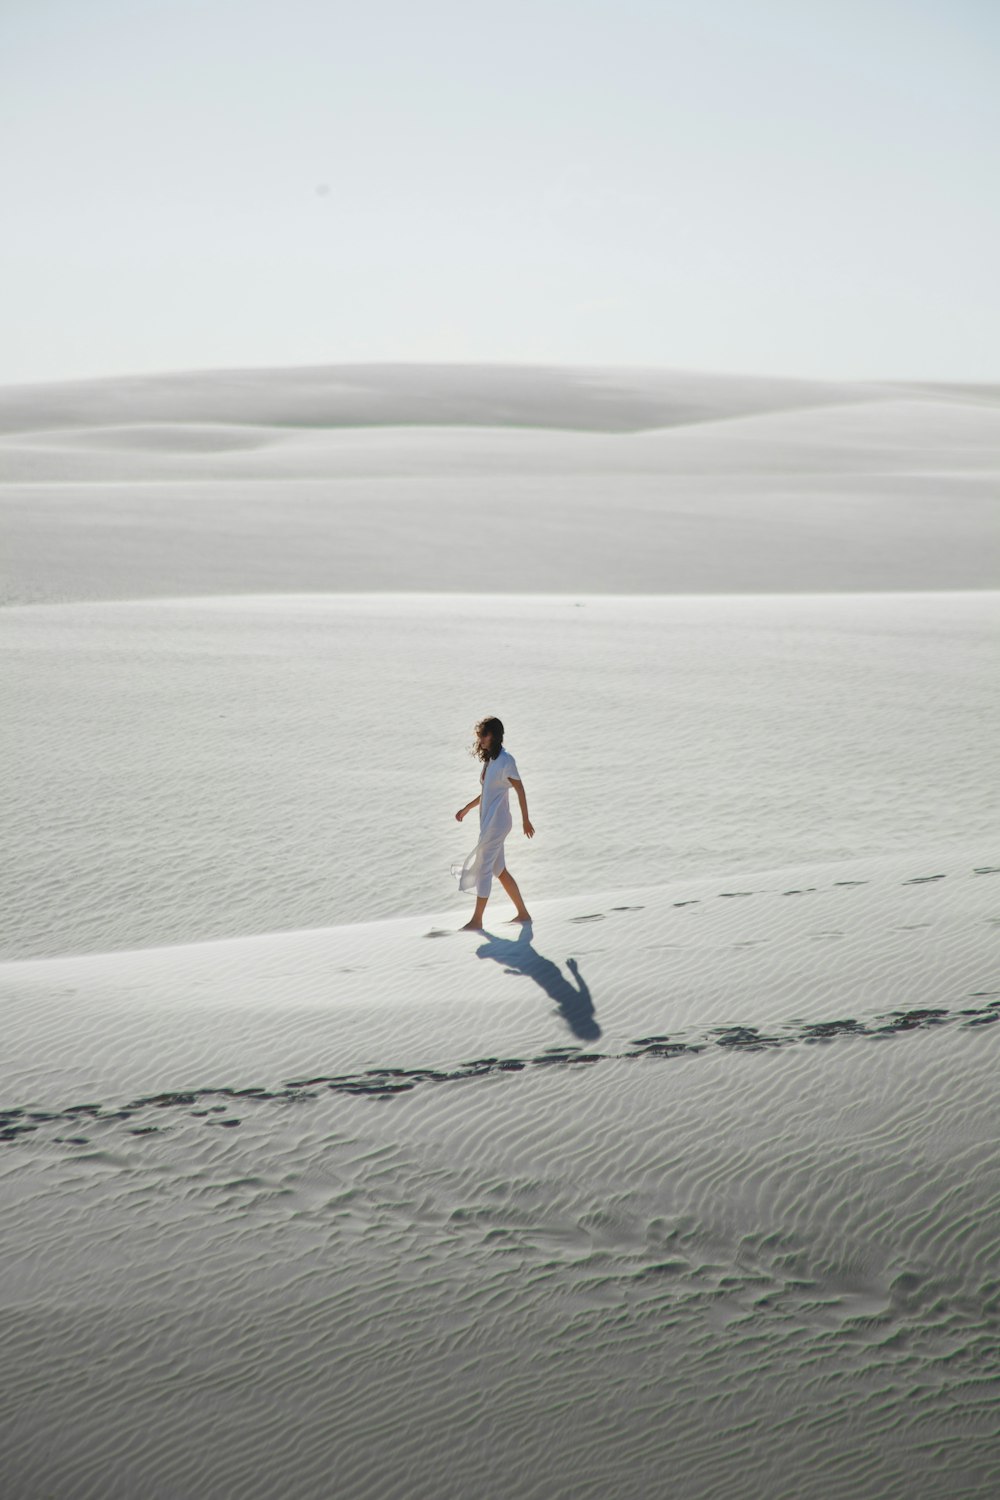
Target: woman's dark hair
488,726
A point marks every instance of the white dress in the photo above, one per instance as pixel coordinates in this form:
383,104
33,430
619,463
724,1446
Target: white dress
487,858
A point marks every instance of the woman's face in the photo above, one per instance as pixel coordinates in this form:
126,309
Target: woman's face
486,738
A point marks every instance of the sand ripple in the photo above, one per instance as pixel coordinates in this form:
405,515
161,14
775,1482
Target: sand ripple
762,1202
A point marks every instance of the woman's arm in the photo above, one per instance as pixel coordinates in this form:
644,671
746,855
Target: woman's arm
468,808
519,789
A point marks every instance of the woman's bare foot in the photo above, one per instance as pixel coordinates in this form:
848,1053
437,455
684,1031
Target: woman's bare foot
472,927
522,916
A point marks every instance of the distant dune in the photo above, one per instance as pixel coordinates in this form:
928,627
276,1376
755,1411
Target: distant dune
409,477
591,398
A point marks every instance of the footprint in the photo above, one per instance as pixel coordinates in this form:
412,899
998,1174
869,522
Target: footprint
594,916
437,932
687,903
666,1049
922,879
824,1031
747,1037
557,1059
909,1020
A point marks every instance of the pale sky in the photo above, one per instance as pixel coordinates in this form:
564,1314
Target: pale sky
797,187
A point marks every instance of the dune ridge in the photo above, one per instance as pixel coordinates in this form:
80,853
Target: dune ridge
856,437
592,398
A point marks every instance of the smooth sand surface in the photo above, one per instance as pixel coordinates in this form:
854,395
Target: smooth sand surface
495,481
688,1190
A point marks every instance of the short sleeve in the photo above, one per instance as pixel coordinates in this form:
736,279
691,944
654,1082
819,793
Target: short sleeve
513,774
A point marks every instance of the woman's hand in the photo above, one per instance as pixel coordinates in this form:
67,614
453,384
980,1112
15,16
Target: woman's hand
461,813
528,829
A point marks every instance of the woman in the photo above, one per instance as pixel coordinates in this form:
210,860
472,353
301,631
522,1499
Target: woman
487,858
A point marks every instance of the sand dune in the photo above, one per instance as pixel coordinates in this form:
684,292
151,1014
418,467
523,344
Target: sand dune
777,951
589,398
241,482
630,535
910,437
666,1121
691,1188
877,494
232,767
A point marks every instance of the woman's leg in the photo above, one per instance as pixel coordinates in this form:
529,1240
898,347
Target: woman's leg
484,884
476,925
510,886
494,863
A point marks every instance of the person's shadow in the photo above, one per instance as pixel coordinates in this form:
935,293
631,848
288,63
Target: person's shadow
518,957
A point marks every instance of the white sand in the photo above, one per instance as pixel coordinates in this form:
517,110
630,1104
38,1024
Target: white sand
594,1271
238,766
747,1245
209,485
